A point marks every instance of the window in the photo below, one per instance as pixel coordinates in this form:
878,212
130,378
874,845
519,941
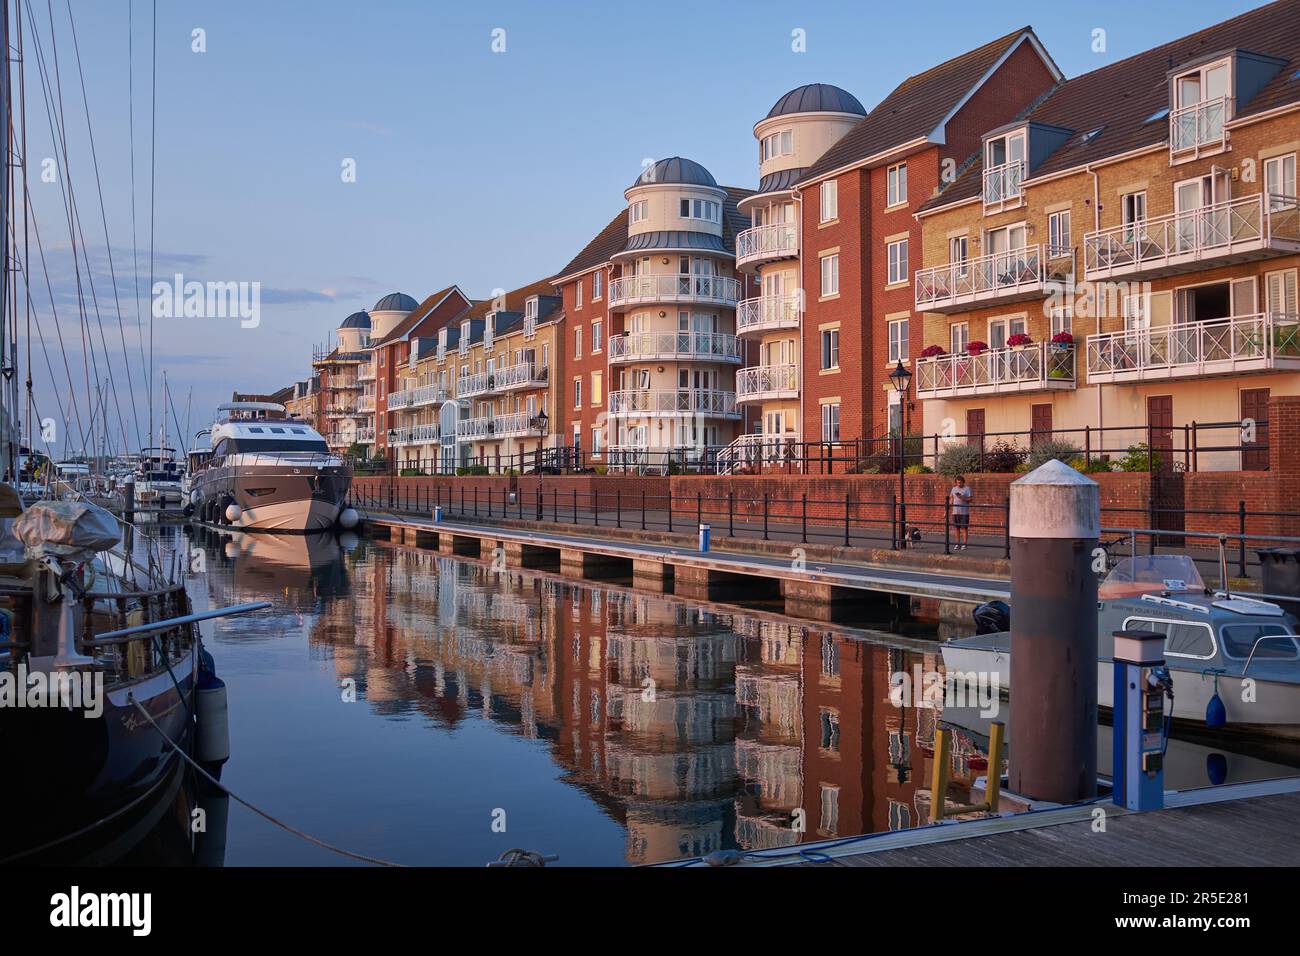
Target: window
1280,294
597,441
577,342
1133,209
1182,639
597,285
777,144
640,210
704,209
898,341
959,253
897,255
896,188
597,387
1060,318
577,295
597,336
577,391
831,422
1279,182
1239,640
1201,105
830,275
830,348
959,337
830,200
1058,234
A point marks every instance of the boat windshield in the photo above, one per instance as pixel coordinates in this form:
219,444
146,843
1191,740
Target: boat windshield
1151,574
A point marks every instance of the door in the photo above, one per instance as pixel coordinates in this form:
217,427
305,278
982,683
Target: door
975,427
1002,367
1160,428
1040,424
1254,408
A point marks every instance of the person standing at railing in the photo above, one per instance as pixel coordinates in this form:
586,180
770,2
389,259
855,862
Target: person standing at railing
959,496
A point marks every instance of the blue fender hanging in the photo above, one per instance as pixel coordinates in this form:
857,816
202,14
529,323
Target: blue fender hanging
1216,715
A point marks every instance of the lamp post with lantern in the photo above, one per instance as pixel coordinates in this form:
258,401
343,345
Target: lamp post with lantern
540,423
900,377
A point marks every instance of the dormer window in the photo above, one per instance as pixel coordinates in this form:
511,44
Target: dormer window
489,328
1004,168
464,338
1201,107
530,318
776,144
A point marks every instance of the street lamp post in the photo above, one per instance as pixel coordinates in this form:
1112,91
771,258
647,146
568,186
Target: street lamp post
901,378
541,424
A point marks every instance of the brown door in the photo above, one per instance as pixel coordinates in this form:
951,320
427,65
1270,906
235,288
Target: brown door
1160,428
1254,407
1040,423
975,427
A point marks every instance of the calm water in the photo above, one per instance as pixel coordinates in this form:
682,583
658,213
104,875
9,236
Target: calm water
605,725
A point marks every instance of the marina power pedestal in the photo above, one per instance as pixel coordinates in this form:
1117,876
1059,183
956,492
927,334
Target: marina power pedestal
1141,685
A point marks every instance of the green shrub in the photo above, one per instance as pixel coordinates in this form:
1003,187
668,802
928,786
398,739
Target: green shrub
918,470
602,469
1139,459
1003,457
472,470
1092,466
959,459
410,472
1047,449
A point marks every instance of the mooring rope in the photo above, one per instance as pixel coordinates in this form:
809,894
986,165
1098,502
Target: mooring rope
260,812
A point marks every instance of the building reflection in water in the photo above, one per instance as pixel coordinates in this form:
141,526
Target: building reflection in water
695,729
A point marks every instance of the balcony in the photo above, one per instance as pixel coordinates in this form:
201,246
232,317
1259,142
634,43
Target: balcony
366,372
514,425
340,411
1198,128
998,278
521,376
688,289
763,383
1250,343
1238,230
674,347
399,399
1026,368
414,435
365,436
769,313
778,240
1002,185
673,402
366,404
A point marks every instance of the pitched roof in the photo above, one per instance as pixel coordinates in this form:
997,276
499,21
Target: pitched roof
514,299
415,316
1125,104
916,106
600,250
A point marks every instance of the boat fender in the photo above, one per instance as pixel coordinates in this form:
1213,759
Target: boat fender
1216,768
233,511
1216,715
348,518
212,733
723,858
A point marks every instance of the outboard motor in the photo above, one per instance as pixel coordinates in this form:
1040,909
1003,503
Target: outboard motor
992,617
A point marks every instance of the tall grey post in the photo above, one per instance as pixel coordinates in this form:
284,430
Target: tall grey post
1055,526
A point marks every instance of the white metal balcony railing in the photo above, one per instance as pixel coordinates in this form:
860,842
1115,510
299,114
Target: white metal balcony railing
767,382
1198,126
428,395
675,346
366,404
340,411
415,435
1193,349
510,377
710,402
513,425
706,290
1027,368
753,449
996,277
1002,183
366,372
366,436
777,240
399,399
767,313
1217,234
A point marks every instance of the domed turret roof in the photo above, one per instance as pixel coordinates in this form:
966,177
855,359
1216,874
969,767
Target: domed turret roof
395,302
357,320
676,170
817,98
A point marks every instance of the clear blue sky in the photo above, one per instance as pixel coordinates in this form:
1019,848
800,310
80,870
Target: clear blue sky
473,167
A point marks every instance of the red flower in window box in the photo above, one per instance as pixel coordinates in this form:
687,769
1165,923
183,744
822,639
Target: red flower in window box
975,348
1019,338
930,351
1062,338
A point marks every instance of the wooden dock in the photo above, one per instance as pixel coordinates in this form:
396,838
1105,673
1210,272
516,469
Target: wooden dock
829,589
1247,824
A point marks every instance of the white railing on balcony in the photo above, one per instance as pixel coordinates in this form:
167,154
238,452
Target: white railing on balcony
366,403
998,275
769,312
340,411
776,240
1224,229
1198,126
428,395
754,449
767,381
712,290
366,372
478,383
673,401
1023,368
415,435
1002,183
521,375
675,346
1237,344
366,436
493,426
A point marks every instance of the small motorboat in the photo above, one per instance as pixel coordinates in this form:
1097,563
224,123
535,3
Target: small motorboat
1235,660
